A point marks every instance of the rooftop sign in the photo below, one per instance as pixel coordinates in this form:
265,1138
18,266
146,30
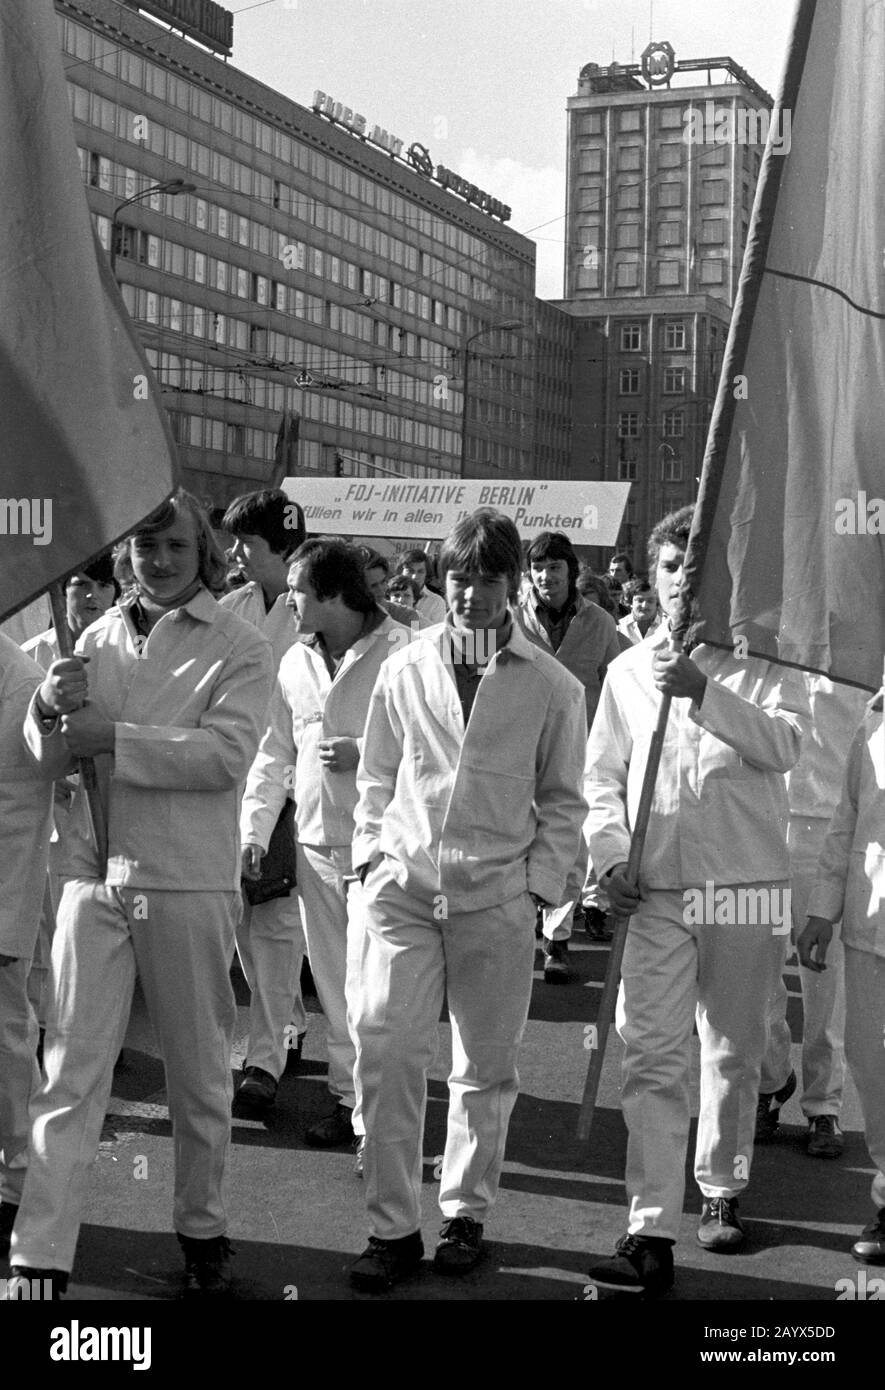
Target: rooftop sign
202,20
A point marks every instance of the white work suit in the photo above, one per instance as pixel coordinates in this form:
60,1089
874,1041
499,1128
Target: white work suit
719,817
813,788
270,936
309,704
188,709
25,824
851,885
458,825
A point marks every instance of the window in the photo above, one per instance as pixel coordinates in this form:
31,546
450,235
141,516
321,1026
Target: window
669,234
670,155
670,117
631,337
712,231
711,272
629,120
629,157
626,275
591,125
628,381
670,195
674,381
714,155
626,470
627,234
628,424
628,196
674,336
671,467
673,424
669,273
713,191
590,161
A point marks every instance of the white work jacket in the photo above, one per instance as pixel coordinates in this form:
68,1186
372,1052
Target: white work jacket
25,808
719,811
277,623
307,705
851,873
480,814
188,711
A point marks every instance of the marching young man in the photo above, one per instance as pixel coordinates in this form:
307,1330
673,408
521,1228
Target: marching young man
312,747
718,825
178,691
469,818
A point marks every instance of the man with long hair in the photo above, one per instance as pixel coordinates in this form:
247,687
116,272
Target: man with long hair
168,692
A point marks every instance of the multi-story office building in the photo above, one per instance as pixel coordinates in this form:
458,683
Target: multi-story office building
309,265
661,175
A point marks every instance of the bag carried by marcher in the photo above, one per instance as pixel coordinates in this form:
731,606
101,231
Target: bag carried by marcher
277,878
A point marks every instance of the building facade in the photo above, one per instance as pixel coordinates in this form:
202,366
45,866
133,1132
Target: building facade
301,266
661,175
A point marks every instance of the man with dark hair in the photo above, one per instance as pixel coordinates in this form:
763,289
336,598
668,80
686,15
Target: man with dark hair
620,572
415,564
705,940
469,818
584,639
311,749
267,527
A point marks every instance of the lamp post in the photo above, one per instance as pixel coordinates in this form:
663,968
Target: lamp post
173,186
490,328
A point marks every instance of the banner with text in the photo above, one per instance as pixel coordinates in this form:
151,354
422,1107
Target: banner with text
427,508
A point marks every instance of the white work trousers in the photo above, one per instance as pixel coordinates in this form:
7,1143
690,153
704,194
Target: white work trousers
331,908
413,957
270,944
19,1075
181,945
674,974
864,1053
823,996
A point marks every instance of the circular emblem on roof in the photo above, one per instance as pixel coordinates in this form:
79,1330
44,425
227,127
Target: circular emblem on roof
658,62
419,158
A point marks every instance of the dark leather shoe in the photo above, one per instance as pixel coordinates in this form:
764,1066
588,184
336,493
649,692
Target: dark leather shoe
870,1249
720,1229
384,1263
335,1129
460,1246
640,1264
207,1267
768,1110
255,1094
556,967
595,925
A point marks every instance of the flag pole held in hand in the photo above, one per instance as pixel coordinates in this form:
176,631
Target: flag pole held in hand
88,778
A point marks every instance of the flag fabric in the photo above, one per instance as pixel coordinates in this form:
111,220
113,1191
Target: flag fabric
792,563
85,449
286,448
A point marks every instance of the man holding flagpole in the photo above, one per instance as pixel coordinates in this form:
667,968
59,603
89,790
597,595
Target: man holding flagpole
716,838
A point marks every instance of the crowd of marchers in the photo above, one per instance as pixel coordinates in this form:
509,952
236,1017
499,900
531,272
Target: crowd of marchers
301,744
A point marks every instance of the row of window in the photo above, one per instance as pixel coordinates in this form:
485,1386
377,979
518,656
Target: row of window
670,275
672,384
630,422
672,470
624,158
104,173
628,235
711,193
184,374
226,116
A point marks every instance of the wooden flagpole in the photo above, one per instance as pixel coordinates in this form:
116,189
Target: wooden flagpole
88,778
715,453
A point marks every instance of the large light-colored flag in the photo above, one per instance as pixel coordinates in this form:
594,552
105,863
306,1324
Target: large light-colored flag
794,562
85,450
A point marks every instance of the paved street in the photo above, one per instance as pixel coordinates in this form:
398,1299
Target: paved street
297,1213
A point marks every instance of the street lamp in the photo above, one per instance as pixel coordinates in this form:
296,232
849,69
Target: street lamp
490,328
173,186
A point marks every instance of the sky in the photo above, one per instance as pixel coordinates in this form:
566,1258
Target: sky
483,84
